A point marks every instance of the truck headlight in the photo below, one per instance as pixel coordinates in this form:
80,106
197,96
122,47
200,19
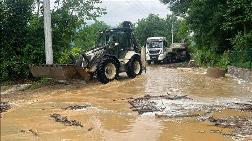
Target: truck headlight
161,51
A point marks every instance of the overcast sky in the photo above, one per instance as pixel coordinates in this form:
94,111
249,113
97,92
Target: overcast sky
131,10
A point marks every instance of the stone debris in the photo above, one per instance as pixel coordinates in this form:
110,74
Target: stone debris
242,126
77,107
65,120
144,106
182,65
168,97
244,106
90,129
147,103
4,106
178,116
34,132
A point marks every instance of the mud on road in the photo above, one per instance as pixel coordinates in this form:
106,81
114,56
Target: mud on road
180,104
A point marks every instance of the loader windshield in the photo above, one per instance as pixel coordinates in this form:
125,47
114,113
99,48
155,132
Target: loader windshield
104,38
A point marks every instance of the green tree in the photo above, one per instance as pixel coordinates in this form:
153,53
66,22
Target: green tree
67,20
14,34
216,25
22,34
87,36
84,39
179,7
183,30
153,25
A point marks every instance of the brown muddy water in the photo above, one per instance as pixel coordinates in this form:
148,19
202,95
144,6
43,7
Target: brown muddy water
105,113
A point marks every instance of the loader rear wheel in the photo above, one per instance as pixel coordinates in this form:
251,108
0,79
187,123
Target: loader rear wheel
134,67
107,70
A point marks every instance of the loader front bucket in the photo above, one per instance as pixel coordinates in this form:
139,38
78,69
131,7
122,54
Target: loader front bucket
58,72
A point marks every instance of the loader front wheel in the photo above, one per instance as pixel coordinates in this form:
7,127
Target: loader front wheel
134,67
107,70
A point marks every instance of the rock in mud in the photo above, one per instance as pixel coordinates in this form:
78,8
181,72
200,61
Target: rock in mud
215,72
90,129
241,125
77,107
4,106
244,107
168,97
34,132
65,120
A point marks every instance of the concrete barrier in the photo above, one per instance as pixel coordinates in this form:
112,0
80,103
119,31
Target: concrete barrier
245,74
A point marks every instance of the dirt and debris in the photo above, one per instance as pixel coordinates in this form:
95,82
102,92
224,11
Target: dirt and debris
244,106
177,116
90,129
168,96
77,107
65,120
242,126
144,106
182,65
34,132
182,106
123,99
4,106
147,103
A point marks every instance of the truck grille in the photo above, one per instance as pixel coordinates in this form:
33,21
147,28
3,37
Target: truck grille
154,51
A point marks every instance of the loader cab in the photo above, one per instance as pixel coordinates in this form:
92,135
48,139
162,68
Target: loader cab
119,40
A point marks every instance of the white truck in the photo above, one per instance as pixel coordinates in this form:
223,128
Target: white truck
158,51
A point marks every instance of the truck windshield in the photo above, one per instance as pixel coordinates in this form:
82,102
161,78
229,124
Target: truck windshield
155,44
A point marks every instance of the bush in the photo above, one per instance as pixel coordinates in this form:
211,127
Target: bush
241,56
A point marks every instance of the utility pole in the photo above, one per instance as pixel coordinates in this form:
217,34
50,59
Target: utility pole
172,30
48,33
172,33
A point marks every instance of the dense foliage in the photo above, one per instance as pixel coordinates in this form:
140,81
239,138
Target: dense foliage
22,33
154,26
222,30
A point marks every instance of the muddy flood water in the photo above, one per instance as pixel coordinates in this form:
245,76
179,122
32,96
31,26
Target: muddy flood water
188,106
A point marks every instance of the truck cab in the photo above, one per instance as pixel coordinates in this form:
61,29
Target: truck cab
156,49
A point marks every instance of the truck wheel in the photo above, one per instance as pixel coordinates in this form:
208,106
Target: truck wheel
107,70
134,67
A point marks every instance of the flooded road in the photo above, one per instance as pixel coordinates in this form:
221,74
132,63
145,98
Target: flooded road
109,117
